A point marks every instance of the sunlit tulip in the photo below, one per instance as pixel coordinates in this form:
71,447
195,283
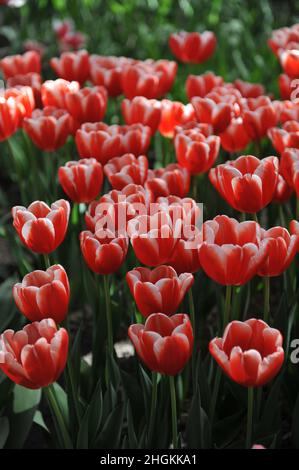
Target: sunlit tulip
81,180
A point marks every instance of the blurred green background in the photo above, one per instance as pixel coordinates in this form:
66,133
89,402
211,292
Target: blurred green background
140,28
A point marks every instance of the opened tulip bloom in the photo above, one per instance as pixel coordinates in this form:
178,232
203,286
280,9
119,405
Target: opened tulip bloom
43,294
125,170
250,352
193,48
164,344
201,85
81,180
72,66
87,104
142,110
172,180
231,252
247,184
35,356
20,64
160,289
42,228
103,251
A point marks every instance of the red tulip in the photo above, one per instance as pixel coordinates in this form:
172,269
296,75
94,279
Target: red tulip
235,137
49,128
24,98
125,170
231,252
54,92
174,113
250,352
285,88
35,356
171,180
286,137
218,115
104,142
20,64
153,238
289,60
294,228
289,167
164,344
42,228
289,111
193,48
107,71
196,152
160,289
72,66
9,117
87,104
202,128
166,70
61,28
201,85
247,184
74,40
143,111
258,115
282,37
185,209
33,80
283,191
249,90
282,248
103,251
43,294
81,180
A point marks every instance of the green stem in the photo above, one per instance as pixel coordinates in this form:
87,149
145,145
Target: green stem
227,306
108,315
266,299
255,218
73,391
153,407
192,317
173,412
61,425
249,417
47,261
18,173
297,208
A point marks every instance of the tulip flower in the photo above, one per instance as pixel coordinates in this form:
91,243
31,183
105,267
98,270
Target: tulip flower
247,184
49,128
87,104
249,90
171,180
20,64
43,294
9,117
201,85
35,356
289,167
250,352
174,113
231,252
107,71
192,48
218,115
185,256
294,228
160,289
258,115
81,180
103,142
103,251
72,66
284,84
54,92
31,79
235,137
283,191
143,111
125,170
289,111
42,228
196,152
24,99
286,137
289,60
201,128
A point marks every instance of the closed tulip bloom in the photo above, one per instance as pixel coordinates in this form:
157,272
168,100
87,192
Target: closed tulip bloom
185,209
49,128
283,191
24,99
285,88
258,116
125,170
172,180
174,113
72,66
160,289
9,117
104,252
42,228
218,115
286,137
289,111
192,48
289,60
201,85
43,294
35,356
142,110
20,64
282,248
87,104
247,184
138,80
31,79
196,152
107,71
294,228
235,137
81,180
164,344
231,252
202,128
250,352
185,256
289,167
249,90
54,92
166,70
153,238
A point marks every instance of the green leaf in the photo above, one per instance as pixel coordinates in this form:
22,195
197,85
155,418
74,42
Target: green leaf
198,425
295,424
133,443
4,431
25,399
111,432
39,420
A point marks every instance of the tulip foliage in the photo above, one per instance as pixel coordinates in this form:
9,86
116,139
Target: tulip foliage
139,317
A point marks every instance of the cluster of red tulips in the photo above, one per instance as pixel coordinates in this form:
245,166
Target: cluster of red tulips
140,208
